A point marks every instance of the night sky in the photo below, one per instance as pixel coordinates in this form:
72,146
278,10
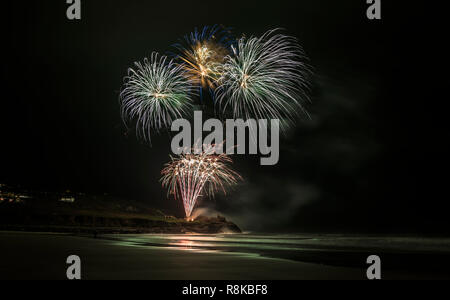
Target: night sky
371,158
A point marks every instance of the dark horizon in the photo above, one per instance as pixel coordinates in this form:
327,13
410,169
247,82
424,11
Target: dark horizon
367,161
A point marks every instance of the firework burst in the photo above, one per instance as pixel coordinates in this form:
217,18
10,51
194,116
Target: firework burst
202,54
189,175
156,92
265,78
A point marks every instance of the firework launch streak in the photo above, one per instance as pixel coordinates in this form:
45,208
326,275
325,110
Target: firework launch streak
190,175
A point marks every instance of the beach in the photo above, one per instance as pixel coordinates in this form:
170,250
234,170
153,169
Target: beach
214,257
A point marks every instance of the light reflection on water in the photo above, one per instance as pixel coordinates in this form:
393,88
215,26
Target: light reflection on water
279,245
259,255
209,243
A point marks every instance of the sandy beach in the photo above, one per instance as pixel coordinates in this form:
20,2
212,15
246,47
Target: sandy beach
175,257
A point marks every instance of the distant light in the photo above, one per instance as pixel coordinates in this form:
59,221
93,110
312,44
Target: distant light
67,199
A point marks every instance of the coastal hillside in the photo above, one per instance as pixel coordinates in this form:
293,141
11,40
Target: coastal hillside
67,212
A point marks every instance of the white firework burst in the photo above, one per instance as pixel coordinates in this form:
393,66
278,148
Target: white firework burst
266,78
156,92
190,175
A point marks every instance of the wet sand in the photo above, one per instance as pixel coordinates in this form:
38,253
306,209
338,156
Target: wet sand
175,257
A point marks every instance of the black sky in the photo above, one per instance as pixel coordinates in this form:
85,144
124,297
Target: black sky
369,160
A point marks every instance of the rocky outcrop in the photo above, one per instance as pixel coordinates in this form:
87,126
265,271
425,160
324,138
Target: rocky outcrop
212,225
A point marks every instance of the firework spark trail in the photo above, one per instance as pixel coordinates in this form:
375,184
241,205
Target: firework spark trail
189,175
155,93
202,54
265,78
